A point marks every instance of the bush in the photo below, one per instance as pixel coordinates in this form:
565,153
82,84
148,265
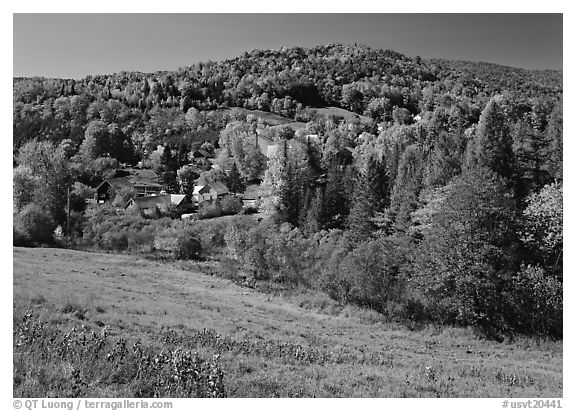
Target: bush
178,242
209,210
115,241
372,271
538,296
33,225
231,205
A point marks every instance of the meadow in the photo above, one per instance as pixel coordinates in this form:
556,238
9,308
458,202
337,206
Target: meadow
166,329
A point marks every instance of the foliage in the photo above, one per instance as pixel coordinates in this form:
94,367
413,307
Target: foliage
32,224
42,178
492,146
542,228
91,359
187,175
231,205
209,209
464,262
538,298
179,242
408,184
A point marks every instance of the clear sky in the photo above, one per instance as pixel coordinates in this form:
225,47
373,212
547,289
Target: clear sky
75,45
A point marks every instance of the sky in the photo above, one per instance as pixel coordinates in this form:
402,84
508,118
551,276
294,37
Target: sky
75,45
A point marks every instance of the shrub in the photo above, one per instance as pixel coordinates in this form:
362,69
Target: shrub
372,271
178,242
115,241
34,225
538,296
209,233
209,210
231,205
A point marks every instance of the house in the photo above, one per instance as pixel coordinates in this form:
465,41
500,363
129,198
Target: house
162,202
143,181
200,154
142,189
209,192
200,157
267,145
251,196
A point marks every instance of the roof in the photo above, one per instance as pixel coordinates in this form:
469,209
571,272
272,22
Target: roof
116,182
161,200
177,199
203,153
220,188
146,184
144,177
200,189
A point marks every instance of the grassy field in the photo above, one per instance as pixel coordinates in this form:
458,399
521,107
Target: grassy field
269,346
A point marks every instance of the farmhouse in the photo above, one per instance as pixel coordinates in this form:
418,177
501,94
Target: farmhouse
200,157
143,182
162,202
142,189
200,154
267,145
209,192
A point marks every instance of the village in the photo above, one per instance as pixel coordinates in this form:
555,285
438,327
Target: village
150,195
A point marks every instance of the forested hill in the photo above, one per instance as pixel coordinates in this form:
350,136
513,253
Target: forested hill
357,78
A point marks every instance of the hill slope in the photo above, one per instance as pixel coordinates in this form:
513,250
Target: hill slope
137,297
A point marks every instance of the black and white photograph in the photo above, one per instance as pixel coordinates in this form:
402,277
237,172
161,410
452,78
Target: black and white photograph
286,205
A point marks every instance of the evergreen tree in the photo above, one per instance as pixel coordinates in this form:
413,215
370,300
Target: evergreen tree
359,223
406,187
234,180
312,212
167,171
492,146
336,198
529,151
554,138
444,162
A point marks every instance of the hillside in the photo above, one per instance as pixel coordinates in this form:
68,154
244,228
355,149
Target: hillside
273,343
365,81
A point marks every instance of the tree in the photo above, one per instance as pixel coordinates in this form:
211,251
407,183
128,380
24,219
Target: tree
529,151
492,145
445,161
234,180
542,226
187,175
370,198
286,181
407,186
96,141
337,198
121,147
167,171
42,177
554,137
466,258
239,141
34,224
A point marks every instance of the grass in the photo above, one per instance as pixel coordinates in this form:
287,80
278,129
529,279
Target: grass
301,345
338,112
